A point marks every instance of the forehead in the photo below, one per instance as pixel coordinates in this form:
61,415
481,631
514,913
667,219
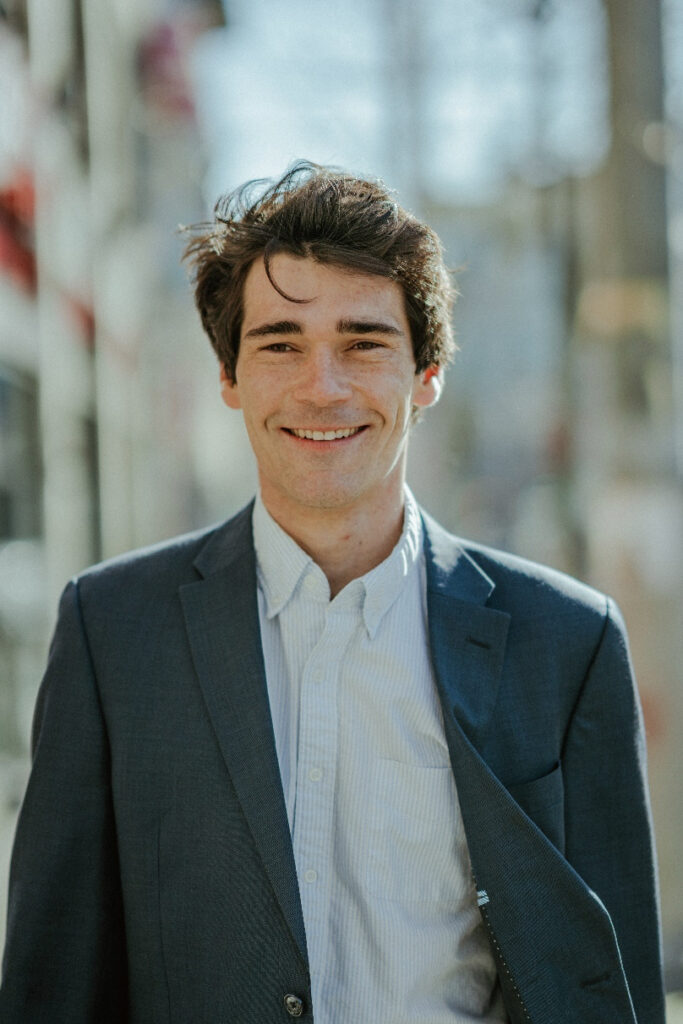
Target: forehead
330,292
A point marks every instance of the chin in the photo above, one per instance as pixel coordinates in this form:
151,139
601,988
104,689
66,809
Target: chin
325,499
332,496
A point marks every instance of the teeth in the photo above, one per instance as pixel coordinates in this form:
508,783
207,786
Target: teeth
325,435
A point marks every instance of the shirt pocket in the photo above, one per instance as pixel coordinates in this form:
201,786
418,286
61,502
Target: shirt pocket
416,848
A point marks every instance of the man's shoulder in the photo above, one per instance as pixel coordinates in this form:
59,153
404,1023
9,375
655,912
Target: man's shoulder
171,562
517,584
515,572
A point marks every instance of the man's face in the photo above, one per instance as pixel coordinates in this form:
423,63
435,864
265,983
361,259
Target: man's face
326,387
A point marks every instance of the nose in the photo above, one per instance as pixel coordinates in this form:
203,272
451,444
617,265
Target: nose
323,381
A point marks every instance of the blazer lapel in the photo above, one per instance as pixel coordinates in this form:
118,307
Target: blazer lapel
221,616
545,924
467,638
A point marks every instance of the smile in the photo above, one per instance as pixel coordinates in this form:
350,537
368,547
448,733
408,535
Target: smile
325,435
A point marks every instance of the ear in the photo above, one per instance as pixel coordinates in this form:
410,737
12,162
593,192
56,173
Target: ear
229,390
427,387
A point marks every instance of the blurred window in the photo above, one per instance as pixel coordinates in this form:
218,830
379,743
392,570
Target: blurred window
20,463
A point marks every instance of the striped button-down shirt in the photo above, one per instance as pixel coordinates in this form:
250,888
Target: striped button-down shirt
392,927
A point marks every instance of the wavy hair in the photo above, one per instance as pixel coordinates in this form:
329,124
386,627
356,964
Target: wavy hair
329,216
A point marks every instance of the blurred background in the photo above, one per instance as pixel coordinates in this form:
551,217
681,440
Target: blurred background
543,139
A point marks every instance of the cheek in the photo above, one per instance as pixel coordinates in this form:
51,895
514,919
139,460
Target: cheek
257,396
390,388
397,411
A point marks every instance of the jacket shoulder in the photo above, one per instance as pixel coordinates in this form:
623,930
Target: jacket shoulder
512,571
519,585
170,563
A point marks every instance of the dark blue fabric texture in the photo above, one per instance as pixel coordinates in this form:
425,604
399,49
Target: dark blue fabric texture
153,879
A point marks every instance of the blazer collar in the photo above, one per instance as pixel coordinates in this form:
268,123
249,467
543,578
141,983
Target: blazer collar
226,543
467,637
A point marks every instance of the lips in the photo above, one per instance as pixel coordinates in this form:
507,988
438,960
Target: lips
324,435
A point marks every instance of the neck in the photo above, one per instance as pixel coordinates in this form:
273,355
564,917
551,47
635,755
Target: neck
345,542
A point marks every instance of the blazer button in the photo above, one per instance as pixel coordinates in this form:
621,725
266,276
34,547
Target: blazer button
294,1005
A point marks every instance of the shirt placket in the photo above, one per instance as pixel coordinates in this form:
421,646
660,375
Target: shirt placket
316,777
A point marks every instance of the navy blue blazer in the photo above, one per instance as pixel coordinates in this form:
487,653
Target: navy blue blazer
153,880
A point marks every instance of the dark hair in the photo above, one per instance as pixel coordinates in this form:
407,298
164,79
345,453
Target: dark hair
334,218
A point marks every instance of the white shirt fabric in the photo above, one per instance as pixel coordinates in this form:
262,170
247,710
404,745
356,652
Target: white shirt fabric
389,904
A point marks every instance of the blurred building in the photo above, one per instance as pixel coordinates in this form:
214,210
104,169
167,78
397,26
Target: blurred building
99,344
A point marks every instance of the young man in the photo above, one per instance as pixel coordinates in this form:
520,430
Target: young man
326,760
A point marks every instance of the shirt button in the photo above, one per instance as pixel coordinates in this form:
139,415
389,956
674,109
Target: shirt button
311,875
315,775
294,1005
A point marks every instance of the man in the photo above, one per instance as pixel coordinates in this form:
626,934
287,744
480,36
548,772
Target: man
326,760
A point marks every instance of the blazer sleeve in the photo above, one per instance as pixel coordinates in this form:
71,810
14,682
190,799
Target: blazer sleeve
65,951
609,838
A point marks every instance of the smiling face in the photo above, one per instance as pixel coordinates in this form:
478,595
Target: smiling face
327,388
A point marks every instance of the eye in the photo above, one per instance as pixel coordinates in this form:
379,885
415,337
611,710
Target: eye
277,346
366,346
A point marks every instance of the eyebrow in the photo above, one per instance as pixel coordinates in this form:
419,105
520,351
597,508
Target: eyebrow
276,327
344,326
367,327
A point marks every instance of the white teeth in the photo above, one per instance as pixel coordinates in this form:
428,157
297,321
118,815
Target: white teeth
325,435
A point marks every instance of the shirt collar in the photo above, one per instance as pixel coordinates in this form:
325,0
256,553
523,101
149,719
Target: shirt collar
283,567
384,583
280,562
